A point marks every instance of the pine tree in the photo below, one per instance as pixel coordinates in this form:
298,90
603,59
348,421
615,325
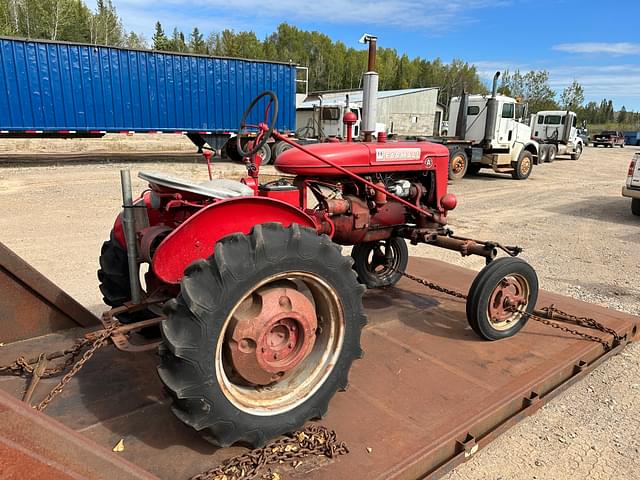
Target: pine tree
196,42
159,39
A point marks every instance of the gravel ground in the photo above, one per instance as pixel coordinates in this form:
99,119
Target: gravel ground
577,231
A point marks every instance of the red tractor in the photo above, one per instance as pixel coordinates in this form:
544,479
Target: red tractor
263,311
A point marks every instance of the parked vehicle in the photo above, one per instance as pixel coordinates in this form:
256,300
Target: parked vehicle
631,188
583,133
609,138
632,138
69,90
557,133
489,133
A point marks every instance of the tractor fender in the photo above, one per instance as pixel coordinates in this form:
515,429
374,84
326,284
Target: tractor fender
196,238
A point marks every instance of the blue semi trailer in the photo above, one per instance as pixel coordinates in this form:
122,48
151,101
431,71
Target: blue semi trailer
59,89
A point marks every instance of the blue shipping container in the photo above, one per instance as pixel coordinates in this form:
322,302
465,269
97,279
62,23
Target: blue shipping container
58,86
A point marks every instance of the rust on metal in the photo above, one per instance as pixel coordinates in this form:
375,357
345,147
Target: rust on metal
273,331
427,396
31,305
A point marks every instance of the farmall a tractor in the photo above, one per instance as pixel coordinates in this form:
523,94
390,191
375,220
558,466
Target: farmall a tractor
262,311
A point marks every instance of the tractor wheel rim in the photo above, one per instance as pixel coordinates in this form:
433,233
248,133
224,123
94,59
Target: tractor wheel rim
271,333
508,302
525,166
457,165
378,263
313,325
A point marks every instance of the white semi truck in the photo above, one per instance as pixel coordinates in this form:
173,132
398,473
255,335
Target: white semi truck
489,133
557,133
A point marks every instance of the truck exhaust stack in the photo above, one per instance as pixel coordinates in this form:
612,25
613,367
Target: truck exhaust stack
492,105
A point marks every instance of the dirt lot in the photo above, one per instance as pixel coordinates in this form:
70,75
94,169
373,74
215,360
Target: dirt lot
577,231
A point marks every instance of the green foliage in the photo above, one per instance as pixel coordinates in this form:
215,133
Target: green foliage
196,42
532,87
159,39
572,97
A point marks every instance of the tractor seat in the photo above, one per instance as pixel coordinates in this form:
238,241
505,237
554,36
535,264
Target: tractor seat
219,188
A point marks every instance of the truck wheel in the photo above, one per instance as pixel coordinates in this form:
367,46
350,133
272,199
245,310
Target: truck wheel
524,165
113,276
278,148
553,151
543,154
262,335
458,164
622,145
500,297
578,152
635,206
379,264
265,153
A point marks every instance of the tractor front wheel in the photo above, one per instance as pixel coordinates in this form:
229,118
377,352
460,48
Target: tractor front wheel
501,297
262,335
380,264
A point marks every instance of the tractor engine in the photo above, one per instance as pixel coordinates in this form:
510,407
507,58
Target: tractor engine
352,212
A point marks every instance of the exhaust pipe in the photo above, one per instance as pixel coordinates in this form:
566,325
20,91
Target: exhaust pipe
461,119
492,111
129,227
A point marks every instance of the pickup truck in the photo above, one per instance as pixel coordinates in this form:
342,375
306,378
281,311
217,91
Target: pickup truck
632,187
609,138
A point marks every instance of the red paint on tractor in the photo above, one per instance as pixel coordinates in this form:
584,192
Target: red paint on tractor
197,236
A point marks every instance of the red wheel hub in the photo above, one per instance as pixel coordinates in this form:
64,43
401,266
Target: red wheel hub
505,299
273,331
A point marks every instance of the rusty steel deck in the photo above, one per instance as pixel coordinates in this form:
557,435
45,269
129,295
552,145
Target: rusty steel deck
427,395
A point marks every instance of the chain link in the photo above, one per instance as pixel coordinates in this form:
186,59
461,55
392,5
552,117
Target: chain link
312,440
586,322
98,343
22,367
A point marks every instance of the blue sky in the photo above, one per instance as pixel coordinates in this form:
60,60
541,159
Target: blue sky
595,42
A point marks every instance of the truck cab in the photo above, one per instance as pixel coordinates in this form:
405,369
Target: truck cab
557,133
508,128
489,132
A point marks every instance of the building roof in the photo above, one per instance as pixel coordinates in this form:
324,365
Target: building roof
355,96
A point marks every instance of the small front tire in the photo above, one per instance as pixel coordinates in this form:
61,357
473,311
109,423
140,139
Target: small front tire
379,264
500,297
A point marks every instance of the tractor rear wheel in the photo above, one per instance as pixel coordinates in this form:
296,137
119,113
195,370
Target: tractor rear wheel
553,152
379,264
500,297
262,335
114,280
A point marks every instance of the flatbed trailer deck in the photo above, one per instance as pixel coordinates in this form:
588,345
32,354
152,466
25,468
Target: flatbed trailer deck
427,395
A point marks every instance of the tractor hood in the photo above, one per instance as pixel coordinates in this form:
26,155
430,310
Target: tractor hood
363,158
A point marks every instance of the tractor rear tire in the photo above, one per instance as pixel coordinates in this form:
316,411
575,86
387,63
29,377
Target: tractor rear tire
114,280
522,168
458,164
370,265
485,301
210,387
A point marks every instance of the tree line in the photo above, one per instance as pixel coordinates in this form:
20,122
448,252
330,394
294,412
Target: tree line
332,64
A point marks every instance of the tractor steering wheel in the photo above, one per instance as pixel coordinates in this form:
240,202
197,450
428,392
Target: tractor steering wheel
265,128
